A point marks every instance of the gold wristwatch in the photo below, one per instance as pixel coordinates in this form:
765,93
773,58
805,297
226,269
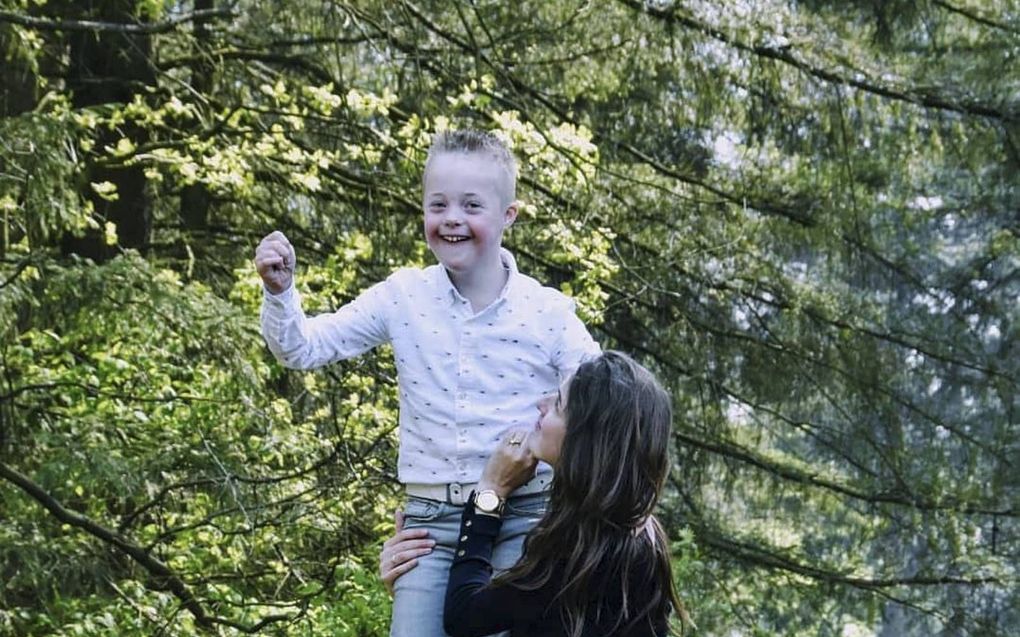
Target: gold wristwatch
488,502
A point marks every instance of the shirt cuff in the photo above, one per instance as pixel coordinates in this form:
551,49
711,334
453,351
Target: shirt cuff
283,300
477,534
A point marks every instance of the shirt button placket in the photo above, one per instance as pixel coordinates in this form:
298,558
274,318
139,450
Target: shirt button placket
464,378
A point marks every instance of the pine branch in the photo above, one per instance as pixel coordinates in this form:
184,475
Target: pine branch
764,557
793,474
975,16
925,98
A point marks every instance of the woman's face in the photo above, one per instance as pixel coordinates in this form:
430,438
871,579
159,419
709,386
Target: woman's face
547,438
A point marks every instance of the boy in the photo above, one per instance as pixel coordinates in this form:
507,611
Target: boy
476,344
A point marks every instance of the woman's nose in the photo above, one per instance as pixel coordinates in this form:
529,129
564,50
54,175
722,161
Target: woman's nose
543,405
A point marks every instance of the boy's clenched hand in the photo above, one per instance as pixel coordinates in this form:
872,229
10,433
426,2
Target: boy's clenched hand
275,261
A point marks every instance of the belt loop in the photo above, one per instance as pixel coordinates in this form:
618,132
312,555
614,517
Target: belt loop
455,493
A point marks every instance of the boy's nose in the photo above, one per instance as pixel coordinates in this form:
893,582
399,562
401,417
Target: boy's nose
453,216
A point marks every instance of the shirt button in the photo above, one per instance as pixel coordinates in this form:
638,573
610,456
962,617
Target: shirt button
463,538
460,553
468,523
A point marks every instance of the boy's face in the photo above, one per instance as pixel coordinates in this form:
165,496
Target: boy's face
466,208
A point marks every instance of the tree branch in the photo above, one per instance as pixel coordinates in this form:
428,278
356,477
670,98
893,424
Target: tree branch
762,557
973,15
42,24
164,577
95,390
784,55
799,476
301,62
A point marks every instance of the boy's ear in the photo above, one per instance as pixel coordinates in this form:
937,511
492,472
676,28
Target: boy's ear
511,213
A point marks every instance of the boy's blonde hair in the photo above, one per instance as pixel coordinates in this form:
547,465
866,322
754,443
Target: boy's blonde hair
477,141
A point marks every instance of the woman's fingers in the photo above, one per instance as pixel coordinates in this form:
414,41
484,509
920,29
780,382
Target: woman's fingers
401,550
405,535
511,463
408,554
401,558
400,553
391,576
515,446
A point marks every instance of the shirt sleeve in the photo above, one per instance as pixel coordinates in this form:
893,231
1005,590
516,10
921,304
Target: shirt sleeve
574,345
473,607
302,342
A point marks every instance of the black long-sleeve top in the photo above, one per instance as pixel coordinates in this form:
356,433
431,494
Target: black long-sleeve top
474,608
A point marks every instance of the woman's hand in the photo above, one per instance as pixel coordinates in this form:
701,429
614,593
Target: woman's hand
510,465
400,553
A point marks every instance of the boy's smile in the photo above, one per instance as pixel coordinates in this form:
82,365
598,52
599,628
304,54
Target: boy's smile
466,211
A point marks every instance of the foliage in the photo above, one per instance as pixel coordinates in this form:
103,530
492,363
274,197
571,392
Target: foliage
802,215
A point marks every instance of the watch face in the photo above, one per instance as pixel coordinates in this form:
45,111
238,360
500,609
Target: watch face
487,501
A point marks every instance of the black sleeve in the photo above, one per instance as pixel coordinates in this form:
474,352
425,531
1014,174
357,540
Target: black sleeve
473,607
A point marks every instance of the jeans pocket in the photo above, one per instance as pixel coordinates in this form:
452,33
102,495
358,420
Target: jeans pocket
420,510
529,506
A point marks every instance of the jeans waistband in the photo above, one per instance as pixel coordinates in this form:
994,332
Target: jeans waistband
457,493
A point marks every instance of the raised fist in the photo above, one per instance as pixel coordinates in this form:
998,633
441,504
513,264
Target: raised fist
275,261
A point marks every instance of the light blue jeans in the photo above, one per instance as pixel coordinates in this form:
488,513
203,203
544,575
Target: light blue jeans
418,594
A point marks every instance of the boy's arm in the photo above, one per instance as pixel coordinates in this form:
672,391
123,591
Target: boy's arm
575,344
302,342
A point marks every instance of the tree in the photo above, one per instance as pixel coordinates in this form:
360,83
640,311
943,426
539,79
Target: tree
801,215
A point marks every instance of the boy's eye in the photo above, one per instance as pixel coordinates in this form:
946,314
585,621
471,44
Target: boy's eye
437,205
472,205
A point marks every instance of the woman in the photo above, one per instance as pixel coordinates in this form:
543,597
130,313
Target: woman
597,563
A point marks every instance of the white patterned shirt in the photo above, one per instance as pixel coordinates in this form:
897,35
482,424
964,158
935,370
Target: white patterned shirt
464,377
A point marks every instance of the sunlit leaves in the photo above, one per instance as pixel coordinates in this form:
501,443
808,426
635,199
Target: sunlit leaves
796,213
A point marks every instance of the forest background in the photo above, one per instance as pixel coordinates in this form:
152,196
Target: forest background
801,214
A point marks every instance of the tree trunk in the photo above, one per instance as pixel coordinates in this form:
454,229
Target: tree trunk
19,91
108,68
195,198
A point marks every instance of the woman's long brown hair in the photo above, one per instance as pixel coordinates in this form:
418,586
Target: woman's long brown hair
612,465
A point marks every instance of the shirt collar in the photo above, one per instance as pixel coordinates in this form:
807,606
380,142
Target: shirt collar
447,290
